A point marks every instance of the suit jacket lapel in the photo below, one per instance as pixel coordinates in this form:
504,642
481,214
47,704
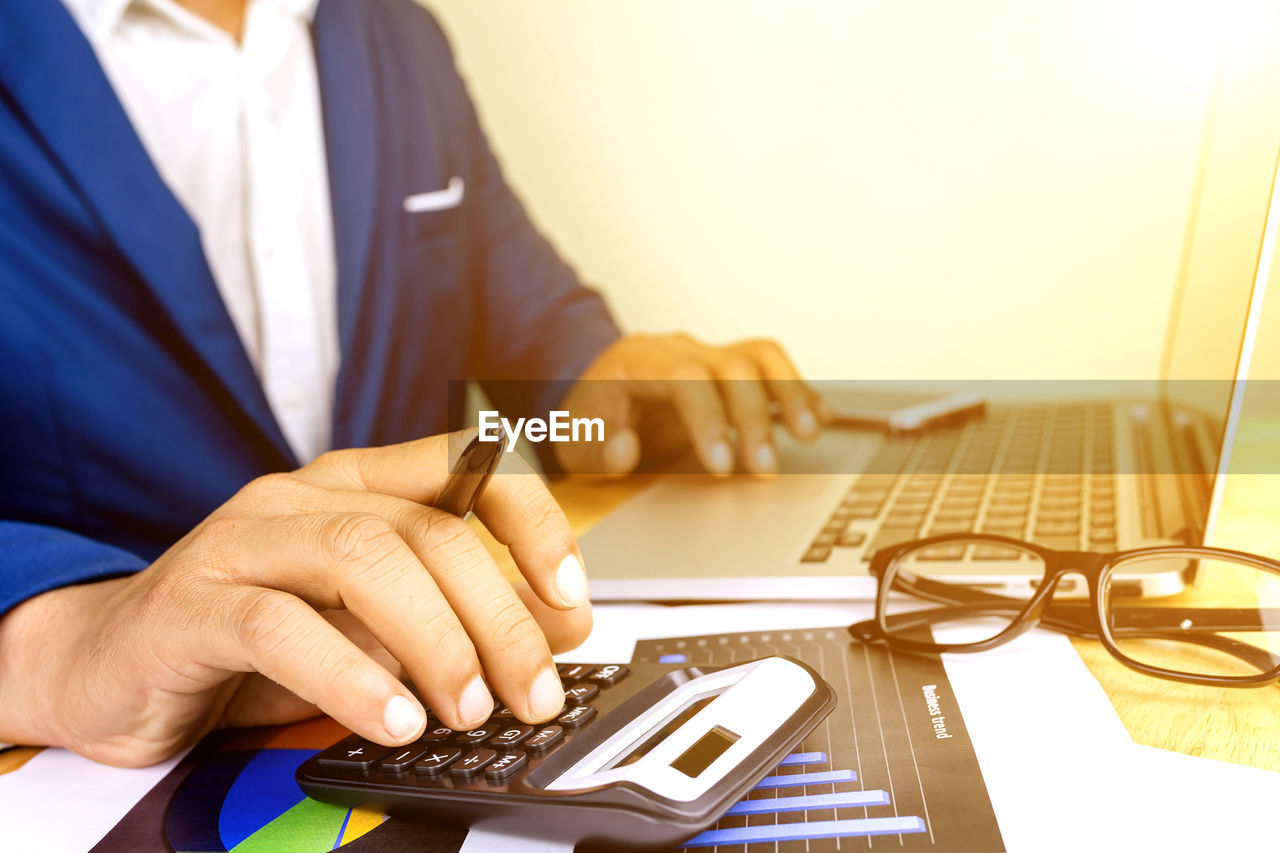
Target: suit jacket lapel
49,69
378,152
344,65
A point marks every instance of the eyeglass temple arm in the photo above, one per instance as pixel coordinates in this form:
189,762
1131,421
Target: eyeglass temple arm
1192,625
1070,624
1201,619
869,629
1194,619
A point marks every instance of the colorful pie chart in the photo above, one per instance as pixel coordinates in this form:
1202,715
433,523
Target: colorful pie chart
243,799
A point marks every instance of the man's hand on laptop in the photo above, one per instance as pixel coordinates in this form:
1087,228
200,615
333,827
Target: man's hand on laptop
659,394
307,591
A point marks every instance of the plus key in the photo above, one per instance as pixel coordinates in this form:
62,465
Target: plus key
353,753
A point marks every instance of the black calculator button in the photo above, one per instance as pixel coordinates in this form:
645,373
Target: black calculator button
471,764
474,736
581,694
571,672
511,735
506,764
436,760
501,712
352,754
544,739
399,762
607,676
575,717
437,734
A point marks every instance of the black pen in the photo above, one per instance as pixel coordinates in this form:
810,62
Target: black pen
469,475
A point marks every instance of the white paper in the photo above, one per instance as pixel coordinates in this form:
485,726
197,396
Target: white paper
1047,739
1198,804
1059,766
480,841
59,801
1042,727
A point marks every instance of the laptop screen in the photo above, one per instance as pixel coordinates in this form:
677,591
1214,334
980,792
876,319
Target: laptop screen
1218,269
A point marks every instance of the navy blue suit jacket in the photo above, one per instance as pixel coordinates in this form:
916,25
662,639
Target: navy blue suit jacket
130,409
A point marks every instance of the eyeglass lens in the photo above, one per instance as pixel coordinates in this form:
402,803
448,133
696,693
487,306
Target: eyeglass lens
943,569
1225,623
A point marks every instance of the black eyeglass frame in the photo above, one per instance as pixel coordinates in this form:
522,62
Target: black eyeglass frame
1077,620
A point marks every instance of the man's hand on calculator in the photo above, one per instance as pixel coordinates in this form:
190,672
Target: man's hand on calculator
308,590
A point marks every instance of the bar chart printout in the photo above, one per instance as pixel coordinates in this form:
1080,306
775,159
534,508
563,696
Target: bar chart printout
892,767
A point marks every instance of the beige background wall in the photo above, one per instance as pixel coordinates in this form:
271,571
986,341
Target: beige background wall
916,189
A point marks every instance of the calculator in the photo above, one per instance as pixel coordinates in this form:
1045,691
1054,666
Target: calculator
642,757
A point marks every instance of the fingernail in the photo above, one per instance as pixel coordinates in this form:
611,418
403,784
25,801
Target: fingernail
721,457
806,423
546,697
403,718
571,582
475,704
621,452
766,459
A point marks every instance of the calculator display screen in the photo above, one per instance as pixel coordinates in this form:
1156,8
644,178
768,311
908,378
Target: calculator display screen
661,734
709,747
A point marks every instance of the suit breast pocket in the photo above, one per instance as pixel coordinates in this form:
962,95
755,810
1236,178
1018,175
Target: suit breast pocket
432,261
432,212
433,232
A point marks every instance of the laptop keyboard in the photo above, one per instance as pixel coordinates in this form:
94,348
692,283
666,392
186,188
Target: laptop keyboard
1041,473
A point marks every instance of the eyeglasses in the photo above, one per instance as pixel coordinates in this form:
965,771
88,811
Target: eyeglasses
1222,629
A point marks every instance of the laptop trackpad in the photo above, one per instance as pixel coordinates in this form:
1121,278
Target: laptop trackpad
694,525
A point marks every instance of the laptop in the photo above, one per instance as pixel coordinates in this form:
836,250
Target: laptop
1102,473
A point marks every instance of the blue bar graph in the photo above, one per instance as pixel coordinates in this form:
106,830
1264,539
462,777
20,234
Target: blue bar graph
861,827
796,779
773,833
872,777
849,799
796,759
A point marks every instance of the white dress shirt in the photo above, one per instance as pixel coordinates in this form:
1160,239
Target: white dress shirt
235,131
